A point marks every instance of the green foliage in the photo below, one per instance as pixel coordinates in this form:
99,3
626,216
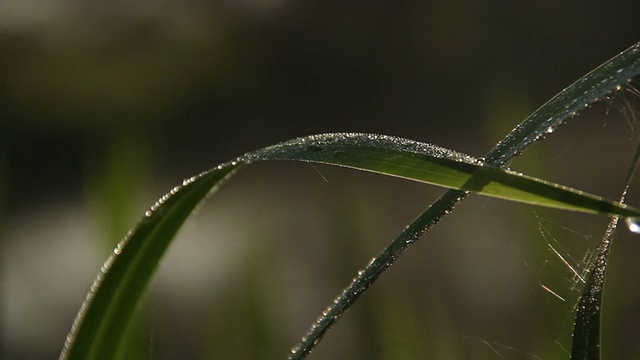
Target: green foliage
102,321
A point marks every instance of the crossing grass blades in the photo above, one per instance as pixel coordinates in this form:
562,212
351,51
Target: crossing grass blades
100,325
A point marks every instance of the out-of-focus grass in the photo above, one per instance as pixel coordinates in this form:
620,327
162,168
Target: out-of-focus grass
5,146
116,179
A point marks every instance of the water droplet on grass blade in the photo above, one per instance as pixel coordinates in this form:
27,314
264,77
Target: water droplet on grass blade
633,225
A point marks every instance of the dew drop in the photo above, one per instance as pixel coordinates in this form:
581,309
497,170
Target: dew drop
94,287
148,213
633,225
118,249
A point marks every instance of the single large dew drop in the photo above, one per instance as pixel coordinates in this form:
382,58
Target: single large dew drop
633,224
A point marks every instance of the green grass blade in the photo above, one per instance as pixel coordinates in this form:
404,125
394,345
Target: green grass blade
98,328
586,329
608,77
593,86
436,165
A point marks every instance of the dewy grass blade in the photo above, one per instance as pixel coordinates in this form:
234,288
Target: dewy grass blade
98,328
101,322
608,77
435,165
588,89
586,329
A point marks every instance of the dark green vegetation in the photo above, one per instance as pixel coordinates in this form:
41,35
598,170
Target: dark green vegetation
100,326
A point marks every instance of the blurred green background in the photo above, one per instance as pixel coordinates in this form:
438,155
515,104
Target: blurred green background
106,106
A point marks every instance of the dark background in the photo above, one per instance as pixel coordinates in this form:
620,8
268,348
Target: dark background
105,106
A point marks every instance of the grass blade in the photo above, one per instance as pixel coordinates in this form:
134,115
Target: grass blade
435,165
586,329
588,89
98,328
597,84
